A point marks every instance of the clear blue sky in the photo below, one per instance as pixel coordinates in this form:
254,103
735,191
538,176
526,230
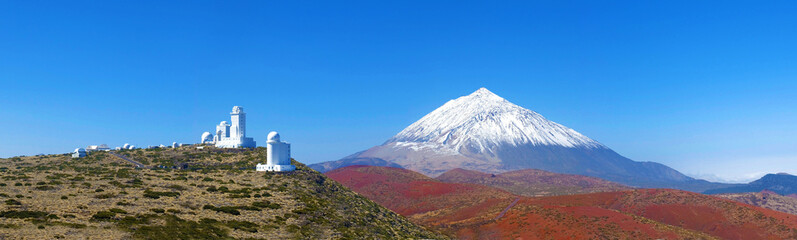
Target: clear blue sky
707,87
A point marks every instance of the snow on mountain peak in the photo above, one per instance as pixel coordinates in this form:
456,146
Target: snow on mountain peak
482,122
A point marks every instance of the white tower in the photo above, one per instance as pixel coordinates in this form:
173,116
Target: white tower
233,135
278,155
238,119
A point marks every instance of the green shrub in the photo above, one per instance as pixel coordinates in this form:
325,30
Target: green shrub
13,202
225,209
117,210
266,204
23,214
103,216
64,197
158,210
44,188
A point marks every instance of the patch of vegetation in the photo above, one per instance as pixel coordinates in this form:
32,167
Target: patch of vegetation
103,216
266,204
156,195
174,228
224,209
242,225
23,214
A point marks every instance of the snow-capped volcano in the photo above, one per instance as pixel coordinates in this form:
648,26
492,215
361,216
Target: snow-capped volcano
483,121
487,133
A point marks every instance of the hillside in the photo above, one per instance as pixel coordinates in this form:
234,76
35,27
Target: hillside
533,182
484,132
765,199
103,197
781,183
476,211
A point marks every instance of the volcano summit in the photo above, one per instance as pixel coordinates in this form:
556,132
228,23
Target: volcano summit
487,133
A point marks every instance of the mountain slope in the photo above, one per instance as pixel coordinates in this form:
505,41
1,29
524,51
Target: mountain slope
765,199
781,183
533,182
487,133
103,197
473,211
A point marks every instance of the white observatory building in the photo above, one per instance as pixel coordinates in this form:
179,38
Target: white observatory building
207,137
232,134
278,155
79,153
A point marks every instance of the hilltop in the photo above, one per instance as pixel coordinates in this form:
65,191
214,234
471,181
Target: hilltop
476,211
218,196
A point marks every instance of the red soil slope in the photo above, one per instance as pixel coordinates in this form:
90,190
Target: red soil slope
533,182
468,210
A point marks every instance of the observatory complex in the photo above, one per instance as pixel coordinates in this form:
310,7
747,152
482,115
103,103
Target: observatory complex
232,134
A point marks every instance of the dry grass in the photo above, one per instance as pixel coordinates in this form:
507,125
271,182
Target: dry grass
103,197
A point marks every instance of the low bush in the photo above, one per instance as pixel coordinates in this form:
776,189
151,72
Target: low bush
103,216
23,214
225,209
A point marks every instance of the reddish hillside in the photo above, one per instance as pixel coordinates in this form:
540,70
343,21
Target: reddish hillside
719,217
765,199
533,182
419,197
470,210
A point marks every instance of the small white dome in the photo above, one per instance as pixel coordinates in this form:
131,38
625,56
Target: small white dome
223,123
207,136
237,109
126,146
80,150
273,136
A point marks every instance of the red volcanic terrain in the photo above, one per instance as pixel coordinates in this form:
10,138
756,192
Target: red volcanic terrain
533,182
474,211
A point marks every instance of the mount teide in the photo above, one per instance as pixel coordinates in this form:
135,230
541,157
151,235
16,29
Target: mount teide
487,133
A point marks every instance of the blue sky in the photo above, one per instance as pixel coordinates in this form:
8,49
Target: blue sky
705,87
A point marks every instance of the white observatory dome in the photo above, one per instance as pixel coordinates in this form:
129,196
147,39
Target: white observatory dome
207,136
273,136
223,123
80,150
126,146
237,109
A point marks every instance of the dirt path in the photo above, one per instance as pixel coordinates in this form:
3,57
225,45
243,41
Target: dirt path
138,164
507,209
